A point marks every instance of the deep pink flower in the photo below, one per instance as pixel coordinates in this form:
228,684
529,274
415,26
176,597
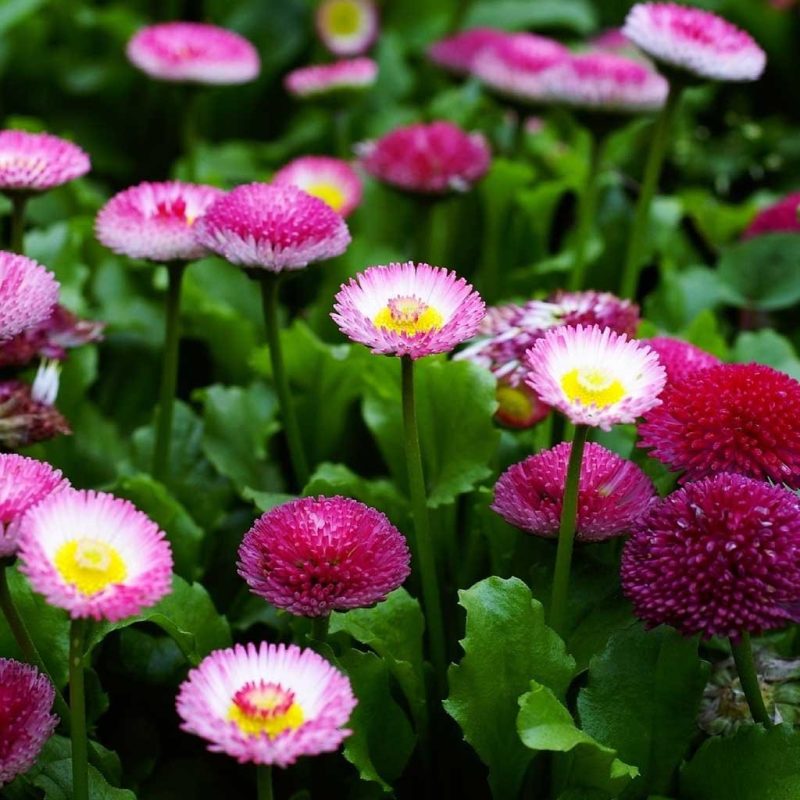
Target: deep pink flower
26,417
457,53
329,179
319,554
35,162
431,159
780,217
28,293
719,557
742,418
347,27
348,75
193,52
680,359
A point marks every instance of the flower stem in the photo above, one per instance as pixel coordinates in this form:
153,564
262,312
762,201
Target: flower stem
423,545
341,129
319,628
270,285
264,782
652,172
566,532
169,371
77,699
748,677
18,203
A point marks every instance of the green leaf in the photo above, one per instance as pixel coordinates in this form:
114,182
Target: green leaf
56,782
642,698
577,15
753,764
507,645
767,347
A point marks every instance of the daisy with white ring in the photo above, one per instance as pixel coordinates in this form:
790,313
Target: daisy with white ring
347,27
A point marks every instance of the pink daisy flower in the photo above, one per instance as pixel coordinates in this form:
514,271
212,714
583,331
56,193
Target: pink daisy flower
349,75
613,493
594,376
780,217
28,417
408,309
680,359
719,557
329,179
457,53
26,721
23,483
193,52
695,41
35,162
28,293
155,221
436,158
94,555
347,27
320,554
269,704
270,227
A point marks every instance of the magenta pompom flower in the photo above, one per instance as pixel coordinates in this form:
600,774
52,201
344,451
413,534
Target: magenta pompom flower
719,557
408,309
680,359
742,418
329,179
35,162
269,704
613,493
780,217
23,483
155,221
430,159
27,415
26,721
270,227
457,53
28,293
695,41
349,75
193,52
320,554
347,27
594,376
94,555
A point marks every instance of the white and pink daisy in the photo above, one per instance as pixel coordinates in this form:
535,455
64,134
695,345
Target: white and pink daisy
349,75
193,52
408,309
347,27
270,227
457,53
269,704
595,376
695,41
330,179
28,294
94,555
155,220
35,162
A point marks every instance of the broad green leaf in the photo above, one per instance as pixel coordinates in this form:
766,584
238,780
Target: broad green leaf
507,645
577,15
767,347
56,782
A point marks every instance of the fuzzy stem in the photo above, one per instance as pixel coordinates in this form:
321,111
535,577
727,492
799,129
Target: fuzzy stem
319,628
18,204
77,699
264,782
748,677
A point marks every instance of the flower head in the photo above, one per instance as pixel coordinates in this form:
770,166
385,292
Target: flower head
329,179
719,557
518,406
94,555
320,554
270,227
780,217
431,159
408,309
193,52
269,704
457,53
347,27
742,418
595,376
155,220
26,721
695,41
35,162
26,417
680,359
613,493
28,293
348,75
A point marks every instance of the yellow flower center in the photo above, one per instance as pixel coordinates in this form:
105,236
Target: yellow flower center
265,708
592,386
327,192
343,18
408,315
514,403
90,565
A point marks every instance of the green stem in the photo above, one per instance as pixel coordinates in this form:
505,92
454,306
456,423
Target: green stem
652,172
264,779
18,203
270,286
423,545
341,131
566,532
190,130
169,371
748,677
587,206
319,628
77,699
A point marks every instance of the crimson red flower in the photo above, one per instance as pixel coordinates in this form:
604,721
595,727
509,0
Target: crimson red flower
780,217
742,418
680,359
26,418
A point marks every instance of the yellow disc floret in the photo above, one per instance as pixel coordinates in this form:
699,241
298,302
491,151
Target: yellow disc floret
592,386
408,315
327,192
90,565
265,708
343,17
